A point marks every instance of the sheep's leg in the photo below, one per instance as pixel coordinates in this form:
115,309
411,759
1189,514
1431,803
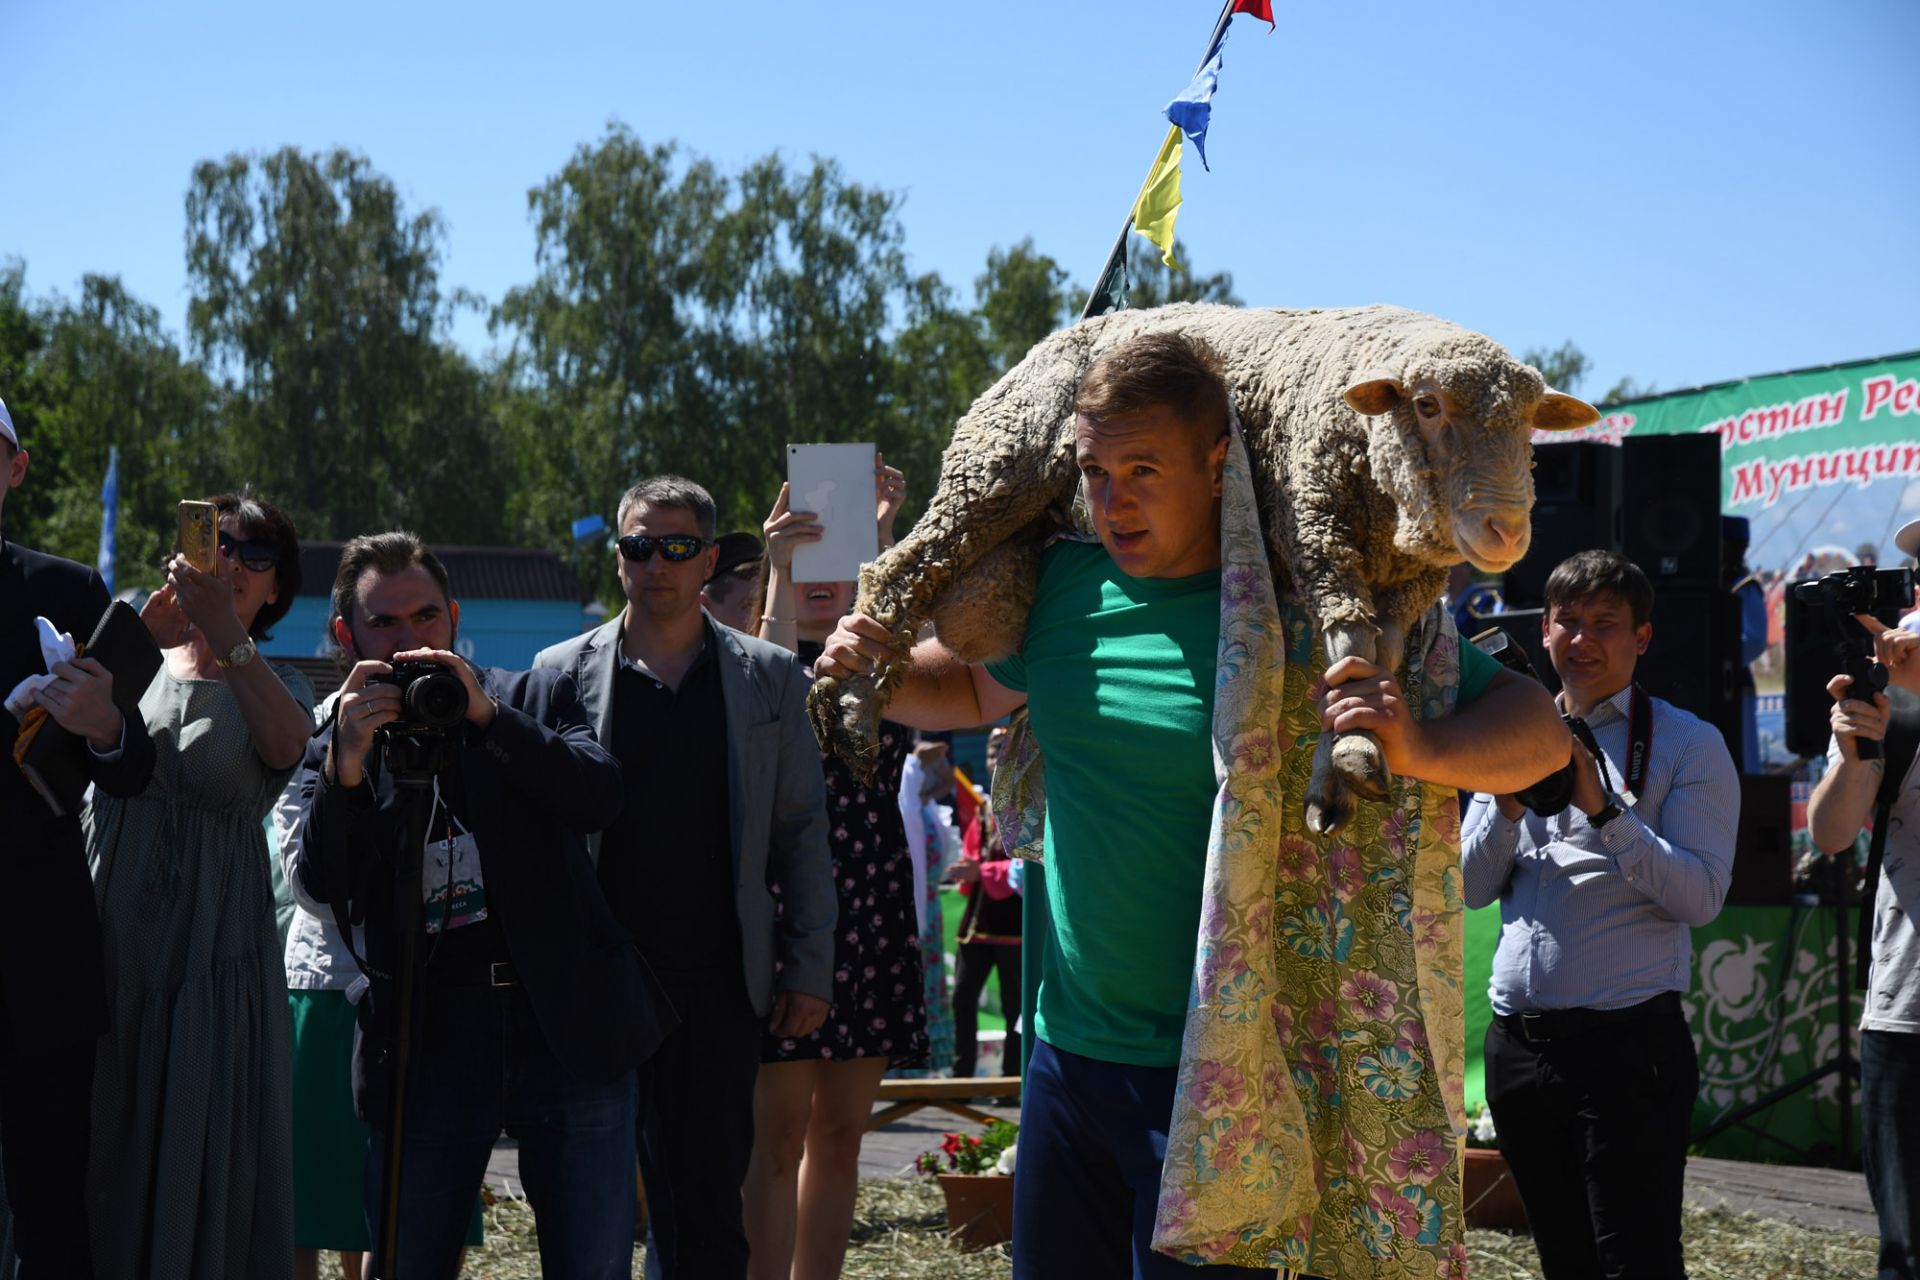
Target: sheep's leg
1350,763
1011,459
897,591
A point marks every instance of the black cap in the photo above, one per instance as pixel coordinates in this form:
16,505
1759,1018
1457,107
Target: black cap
736,549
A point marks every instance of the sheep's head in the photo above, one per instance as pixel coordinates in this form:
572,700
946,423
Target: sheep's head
1451,440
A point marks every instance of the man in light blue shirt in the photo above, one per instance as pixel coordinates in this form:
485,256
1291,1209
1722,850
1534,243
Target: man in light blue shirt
1591,1073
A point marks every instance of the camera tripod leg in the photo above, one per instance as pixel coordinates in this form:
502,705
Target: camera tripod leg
419,813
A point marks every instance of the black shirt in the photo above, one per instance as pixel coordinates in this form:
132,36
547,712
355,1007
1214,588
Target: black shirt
666,865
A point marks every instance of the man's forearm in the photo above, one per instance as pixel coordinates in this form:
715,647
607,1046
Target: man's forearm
936,691
1840,803
1507,739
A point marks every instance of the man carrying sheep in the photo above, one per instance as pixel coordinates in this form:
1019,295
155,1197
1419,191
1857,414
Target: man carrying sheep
1118,671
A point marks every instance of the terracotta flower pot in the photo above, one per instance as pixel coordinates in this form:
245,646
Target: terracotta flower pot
979,1208
1488,1191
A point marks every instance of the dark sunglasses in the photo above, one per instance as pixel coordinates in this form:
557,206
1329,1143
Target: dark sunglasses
260,557
674,547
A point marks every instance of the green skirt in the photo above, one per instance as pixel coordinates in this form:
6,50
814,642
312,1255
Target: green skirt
329,1140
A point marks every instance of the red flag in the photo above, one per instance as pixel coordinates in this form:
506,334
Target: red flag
1261,9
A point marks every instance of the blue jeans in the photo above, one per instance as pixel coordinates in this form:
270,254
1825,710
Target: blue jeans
480,1066
1092,1138
1890,1145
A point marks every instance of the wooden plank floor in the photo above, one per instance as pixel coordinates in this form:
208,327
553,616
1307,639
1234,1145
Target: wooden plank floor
1828,1198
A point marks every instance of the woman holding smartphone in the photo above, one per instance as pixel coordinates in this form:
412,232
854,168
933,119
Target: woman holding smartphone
191,1168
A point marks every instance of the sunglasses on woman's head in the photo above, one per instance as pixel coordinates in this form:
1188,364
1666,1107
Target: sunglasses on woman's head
260,557
674,547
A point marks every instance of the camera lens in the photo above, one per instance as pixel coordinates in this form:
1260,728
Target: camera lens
436,700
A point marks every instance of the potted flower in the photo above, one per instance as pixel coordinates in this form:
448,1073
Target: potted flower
976,1176
1488,1191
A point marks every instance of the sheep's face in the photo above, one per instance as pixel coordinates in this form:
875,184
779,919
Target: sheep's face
1472,419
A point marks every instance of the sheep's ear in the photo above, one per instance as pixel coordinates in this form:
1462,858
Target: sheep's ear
1560,412
1373,393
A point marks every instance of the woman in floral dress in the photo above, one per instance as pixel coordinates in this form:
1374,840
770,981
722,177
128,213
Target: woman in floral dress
815,1092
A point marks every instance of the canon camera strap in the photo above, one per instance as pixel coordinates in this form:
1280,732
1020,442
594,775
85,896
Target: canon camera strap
1639,744
1639,748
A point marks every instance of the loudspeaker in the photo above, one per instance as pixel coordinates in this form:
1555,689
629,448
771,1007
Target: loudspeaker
1671,505
1656,499
1576,507
1694,658
1763,849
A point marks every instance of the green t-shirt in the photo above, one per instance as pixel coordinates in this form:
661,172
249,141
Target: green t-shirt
1119,678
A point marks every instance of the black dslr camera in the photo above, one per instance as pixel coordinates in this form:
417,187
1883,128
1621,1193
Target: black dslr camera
432,698
1881,593
1553,793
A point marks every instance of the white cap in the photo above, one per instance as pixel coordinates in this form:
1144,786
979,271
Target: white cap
6,425
1908,539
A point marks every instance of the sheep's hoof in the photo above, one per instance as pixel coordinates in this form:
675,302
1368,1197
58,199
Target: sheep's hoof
1329,803
840,710
1359,762
1329,813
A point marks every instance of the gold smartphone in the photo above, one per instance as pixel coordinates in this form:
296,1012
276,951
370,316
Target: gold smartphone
200,534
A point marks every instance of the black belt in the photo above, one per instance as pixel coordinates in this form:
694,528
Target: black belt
1542,1026
499,973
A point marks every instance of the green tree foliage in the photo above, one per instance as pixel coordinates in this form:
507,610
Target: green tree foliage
678,318
686,320
1566,366
316,300
1023,296
87,375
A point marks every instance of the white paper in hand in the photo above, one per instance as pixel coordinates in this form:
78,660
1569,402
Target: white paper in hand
55,646
835,483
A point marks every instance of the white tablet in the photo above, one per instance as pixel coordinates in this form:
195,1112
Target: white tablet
835,483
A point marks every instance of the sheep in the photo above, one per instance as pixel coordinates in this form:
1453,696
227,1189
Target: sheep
1386,444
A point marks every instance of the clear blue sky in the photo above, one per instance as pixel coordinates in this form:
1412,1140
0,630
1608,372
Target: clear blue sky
1691,191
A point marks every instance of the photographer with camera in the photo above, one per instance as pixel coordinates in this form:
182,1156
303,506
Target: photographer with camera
1591,1072
1856,782
527,1007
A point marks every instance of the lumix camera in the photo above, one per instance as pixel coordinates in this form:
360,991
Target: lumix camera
1882,593
432,698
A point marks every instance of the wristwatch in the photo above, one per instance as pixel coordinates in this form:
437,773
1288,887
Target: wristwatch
240,655
1606,813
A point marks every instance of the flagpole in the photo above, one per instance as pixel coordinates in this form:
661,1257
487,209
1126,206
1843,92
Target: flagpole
1119,251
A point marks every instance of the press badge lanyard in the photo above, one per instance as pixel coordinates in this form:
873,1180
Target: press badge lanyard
455,832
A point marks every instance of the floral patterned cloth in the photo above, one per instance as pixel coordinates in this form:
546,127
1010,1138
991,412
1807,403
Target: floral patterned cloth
1320,1082
877,1002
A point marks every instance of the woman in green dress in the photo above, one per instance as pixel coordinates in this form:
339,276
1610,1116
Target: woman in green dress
190,1168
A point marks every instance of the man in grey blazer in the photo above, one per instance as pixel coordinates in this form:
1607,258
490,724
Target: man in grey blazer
725,815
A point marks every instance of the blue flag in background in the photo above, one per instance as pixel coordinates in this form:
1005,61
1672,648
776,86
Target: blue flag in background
109,516
1192,110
